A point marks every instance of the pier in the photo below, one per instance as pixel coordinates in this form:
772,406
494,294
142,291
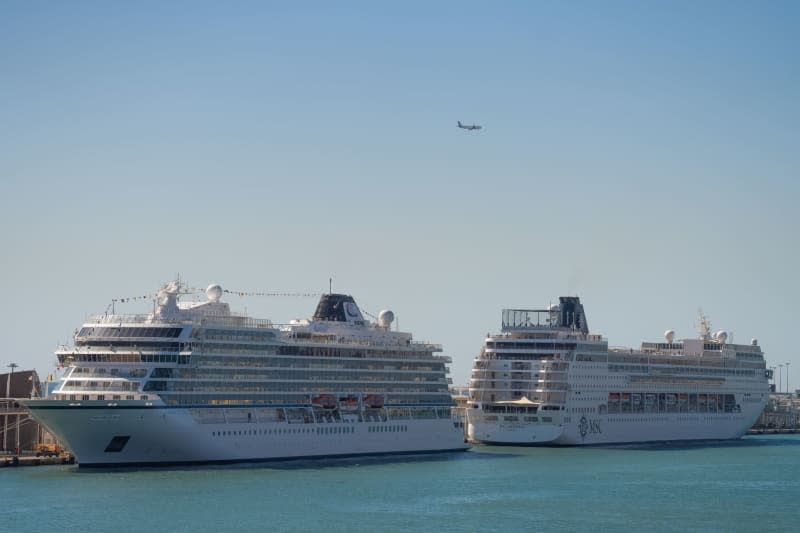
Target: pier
781,415
24,441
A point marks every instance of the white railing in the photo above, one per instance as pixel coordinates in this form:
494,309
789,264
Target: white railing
230,320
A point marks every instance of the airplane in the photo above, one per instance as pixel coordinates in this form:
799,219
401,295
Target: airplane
472,127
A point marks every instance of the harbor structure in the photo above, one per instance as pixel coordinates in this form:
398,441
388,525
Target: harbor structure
20,432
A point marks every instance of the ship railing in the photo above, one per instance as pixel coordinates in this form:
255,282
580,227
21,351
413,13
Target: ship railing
333,339
234,319
578,336
527,319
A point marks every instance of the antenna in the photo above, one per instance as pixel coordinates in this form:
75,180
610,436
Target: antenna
704,325
330,285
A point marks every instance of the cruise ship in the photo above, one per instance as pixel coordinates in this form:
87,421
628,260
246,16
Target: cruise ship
545,380
194,382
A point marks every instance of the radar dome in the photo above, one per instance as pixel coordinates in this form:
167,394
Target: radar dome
669,335
753,342
721,336
214,292
553,308
385,318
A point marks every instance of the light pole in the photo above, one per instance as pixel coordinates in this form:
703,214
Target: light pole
780,378
787,377
12,366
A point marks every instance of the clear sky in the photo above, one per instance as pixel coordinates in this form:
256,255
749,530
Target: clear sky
643,155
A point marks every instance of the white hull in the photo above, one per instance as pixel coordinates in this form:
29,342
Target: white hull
623,428
163,435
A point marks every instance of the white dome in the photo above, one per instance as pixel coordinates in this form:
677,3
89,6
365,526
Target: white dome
385,318
669,335
214,292
553,308
753,342
721,336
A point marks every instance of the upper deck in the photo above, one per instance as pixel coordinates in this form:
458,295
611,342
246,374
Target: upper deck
568,314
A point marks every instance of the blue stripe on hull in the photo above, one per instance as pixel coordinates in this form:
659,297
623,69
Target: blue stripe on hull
268,459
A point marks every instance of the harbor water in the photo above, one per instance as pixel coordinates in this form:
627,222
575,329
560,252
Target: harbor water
746,485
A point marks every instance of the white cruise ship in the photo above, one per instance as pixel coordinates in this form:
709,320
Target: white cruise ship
546,380
195,383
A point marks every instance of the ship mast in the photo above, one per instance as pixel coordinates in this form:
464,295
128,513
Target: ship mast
704,325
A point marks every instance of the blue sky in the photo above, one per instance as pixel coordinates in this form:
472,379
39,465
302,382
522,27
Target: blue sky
643,155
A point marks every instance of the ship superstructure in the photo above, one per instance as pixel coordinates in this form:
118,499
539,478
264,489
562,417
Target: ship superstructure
546,380
194,382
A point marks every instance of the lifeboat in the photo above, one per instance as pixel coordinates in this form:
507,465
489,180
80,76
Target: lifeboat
373,400
349,402
325,401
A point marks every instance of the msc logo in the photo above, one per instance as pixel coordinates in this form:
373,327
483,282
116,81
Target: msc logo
586,427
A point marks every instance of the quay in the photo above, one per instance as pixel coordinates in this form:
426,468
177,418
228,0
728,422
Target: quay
23,440
781,415
773,431
30,460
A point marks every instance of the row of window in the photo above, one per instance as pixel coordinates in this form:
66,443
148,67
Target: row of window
87,397
512,418
289,375
283,386
113,372
278,362
238,335
111,357
102,385
299,398
672,403
513,345
327,430
112,332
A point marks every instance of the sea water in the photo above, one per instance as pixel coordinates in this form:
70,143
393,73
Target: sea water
752,484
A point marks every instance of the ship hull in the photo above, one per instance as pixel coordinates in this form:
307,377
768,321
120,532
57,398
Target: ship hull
623,428
134,435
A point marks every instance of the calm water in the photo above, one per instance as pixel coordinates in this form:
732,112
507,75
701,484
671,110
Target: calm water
747,485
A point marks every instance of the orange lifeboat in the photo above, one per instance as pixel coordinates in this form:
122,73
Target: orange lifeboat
373,400
326,401
349,402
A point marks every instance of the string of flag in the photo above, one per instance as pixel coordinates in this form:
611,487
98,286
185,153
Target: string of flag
194,290
134,298
272,293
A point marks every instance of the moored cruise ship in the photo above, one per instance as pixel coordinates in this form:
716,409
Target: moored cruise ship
546,380
193,382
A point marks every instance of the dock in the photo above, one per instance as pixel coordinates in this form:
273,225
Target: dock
31,460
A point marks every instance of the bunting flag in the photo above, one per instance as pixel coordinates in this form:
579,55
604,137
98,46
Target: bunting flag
273,293
195,290
134,298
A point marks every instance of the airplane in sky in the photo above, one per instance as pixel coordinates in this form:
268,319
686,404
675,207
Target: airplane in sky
471,127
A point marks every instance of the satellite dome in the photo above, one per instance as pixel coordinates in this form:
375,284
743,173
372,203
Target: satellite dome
385,318
214,292
753,342
721,336
553,308
669,335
